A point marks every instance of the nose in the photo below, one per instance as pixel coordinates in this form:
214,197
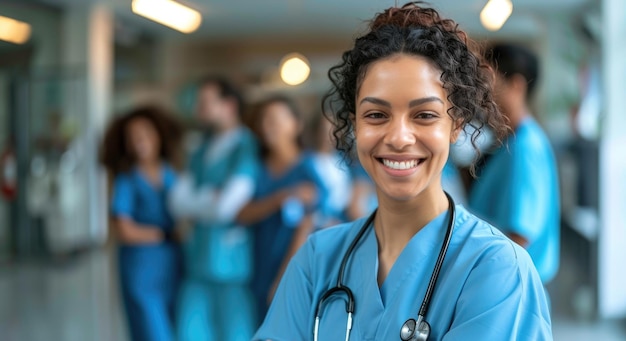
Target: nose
400,134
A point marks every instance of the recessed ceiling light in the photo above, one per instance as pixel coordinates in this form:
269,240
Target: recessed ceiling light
14,31
495,13
169,13
294,69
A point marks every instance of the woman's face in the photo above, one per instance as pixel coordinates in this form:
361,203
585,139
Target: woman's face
143,139
279,126
402,128
212,109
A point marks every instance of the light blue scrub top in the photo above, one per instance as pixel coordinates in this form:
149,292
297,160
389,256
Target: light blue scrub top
452,183
358,173
488,288
518,192
216,251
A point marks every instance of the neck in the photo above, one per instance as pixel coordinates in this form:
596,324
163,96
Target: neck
517,115
325,149
228,126
285,153
397,222
149,164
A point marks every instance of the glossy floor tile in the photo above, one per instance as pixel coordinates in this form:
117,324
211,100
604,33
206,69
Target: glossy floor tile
77,300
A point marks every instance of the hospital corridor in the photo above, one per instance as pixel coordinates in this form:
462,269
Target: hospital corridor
208,170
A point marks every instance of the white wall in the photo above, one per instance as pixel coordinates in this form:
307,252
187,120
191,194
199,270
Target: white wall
612,239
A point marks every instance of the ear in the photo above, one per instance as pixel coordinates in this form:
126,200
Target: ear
301,127
518,83
457,127
352,117
232,105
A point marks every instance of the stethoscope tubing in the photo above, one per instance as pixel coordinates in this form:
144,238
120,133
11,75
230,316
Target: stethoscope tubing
440,258
350,302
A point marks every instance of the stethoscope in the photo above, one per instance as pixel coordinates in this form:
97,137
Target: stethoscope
412,330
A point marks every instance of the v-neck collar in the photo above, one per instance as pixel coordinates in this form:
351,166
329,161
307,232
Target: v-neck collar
285,172
146,181
420,247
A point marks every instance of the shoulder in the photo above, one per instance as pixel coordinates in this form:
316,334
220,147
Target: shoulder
531,136
168,169
493,265
307,158
124,179
247,144
170,174
497,285
307,165
357,170
486,242
324,243
246,136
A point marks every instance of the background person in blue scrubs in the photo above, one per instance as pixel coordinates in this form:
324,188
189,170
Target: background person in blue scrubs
517,188
334,173
287,195
139,151
404,92
215,301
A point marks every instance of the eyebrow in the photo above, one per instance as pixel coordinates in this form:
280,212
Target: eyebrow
412,103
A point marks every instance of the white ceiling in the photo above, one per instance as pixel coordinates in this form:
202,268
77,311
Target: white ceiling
289,18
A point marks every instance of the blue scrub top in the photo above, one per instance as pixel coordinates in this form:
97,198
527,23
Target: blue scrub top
272,235
221,251
518,192
452,183
336,180
240,159
488,288
359,174
136,198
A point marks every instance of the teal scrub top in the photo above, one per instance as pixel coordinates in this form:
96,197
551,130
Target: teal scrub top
218,251
488,288
518,191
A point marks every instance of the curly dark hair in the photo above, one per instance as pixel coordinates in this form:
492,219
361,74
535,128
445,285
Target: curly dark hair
416,30
115,155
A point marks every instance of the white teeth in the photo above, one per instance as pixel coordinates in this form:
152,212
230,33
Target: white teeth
400,165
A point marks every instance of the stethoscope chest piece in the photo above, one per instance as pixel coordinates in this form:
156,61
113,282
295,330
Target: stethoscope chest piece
415,331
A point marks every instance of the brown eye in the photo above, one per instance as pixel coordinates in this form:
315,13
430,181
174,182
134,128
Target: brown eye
426,115
375,115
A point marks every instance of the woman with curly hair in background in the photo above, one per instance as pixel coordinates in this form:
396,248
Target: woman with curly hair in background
140,151
420,267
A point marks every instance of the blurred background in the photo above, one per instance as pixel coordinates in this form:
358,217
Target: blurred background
68,66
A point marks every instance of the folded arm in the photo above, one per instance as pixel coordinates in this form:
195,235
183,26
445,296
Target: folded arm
208,204
130,232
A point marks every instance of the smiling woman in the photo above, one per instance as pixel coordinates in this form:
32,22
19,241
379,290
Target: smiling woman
400,97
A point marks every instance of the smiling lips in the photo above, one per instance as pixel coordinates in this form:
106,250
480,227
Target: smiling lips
401,165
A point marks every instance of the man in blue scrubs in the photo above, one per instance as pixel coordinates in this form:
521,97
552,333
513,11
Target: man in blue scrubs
215,302
517,189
